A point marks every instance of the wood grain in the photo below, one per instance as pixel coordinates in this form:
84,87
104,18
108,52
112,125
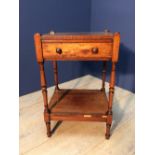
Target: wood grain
78,117
116,45
78,37
87,102
77,51
38,48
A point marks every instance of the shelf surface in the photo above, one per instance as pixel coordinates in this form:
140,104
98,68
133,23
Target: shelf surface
75,101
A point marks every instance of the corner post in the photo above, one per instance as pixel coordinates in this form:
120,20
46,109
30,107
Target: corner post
115,54
39,56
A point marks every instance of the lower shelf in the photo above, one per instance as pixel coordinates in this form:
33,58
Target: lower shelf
78,104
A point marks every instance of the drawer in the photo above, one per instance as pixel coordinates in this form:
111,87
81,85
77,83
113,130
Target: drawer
77,51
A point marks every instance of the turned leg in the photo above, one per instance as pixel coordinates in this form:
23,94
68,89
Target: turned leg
108,125
104,75
107,135
55,68
47,122
44,92
111,94
48,126
40,60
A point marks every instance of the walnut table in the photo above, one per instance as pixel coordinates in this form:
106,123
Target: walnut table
75,104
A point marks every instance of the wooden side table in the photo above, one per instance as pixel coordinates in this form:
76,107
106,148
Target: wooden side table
75,104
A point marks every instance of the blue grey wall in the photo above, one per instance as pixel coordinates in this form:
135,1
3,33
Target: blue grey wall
74,15
43,16
118,16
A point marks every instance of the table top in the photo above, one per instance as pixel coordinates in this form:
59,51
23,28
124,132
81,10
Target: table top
78,36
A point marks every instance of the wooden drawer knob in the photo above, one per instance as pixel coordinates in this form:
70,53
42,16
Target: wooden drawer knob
94,50
59,50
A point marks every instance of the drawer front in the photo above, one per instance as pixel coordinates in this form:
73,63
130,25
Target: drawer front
77,51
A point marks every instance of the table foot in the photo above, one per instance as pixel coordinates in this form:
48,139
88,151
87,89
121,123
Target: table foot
107,135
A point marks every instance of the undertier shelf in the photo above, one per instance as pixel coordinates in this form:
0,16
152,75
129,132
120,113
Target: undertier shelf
78,102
